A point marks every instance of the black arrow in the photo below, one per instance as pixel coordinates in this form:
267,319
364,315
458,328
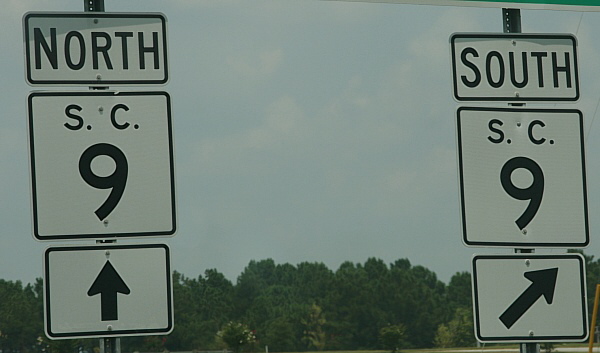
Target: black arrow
543,283
108,284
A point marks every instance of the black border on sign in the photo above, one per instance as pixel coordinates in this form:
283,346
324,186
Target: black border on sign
508,36
31,132
88,334
500,243
530,338
58,15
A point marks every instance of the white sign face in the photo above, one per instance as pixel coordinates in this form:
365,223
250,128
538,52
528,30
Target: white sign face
528,297
104,49
514,67
107,290
522,177
101,164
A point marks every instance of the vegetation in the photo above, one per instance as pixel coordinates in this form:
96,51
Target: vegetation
288,308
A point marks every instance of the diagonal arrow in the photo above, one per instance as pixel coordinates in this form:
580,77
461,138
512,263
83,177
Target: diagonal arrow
543,283
108,283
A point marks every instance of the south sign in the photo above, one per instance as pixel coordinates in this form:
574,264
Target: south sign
514,67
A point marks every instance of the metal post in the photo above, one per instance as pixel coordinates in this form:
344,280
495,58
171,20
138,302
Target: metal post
110,345
93,5
594,318
511,23
511,20
107,344
528,347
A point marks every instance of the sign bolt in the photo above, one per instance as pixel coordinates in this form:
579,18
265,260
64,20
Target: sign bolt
109,328
105,222
530,332
524,231
514,42
95,21
527,262
98,77
107,253
517,94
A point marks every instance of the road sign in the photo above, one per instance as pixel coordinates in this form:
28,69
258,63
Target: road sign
514,67
90,49
529,297
570,5
107,290
101,164
522,177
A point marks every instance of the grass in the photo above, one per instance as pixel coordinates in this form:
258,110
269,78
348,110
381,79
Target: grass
497,348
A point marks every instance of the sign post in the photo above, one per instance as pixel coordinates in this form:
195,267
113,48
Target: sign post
518,168
112,172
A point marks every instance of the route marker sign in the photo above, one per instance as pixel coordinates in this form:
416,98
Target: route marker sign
530,298
514,67
522,177
95,49
107,290
101,165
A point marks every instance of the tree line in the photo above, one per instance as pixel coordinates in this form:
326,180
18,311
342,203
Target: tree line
287,308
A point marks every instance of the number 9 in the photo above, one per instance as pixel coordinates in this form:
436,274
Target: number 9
116,181
534,192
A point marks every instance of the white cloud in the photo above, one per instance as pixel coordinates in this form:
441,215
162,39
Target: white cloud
255,64
230,153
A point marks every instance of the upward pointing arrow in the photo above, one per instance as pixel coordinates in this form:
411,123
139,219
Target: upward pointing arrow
543,283
108,284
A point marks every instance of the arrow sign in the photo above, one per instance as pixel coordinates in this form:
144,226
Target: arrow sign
108,284
543,283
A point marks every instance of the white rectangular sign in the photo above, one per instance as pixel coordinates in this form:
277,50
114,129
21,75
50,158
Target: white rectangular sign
101,164
95,49
530,298
514,67
522,177
107,290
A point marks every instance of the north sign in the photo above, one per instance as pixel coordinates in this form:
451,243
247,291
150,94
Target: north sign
529,298
107,290
101,165
95,49
514,67
522,177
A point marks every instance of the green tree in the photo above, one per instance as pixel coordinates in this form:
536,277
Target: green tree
418,300
392,337
314,335
353,322
202,306
458,332
459,291
236,336
21,317
280,335
313,281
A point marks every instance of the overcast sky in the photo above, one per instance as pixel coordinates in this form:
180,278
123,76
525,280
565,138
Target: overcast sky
304,130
